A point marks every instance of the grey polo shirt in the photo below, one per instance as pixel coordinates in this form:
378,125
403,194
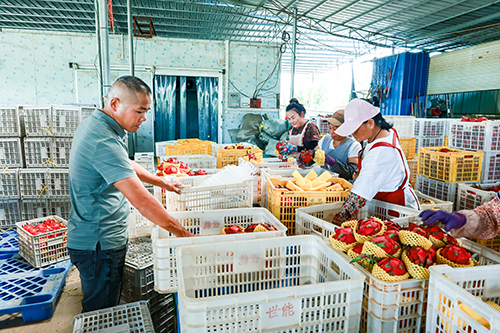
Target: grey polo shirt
99,211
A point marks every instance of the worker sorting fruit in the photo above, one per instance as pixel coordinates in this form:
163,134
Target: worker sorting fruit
383,170
334,152
482,222
302,134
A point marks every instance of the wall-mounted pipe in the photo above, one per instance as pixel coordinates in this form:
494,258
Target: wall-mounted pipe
130,38
104,42
294,46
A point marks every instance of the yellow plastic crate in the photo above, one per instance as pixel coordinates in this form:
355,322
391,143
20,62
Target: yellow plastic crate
446,138
189,147
458,166
230,156
493,243
409,147
282,203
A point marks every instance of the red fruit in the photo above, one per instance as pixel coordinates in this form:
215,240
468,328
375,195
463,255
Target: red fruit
251,157
239,147
433,251
190,173
420,256
392,233
416,229
251,227
269,227
357,248
450,240
392,266
456,254
369,226
435,231
344,235
171,170
234,229
386,243
183,166
200,173
280,145
306,156
391,225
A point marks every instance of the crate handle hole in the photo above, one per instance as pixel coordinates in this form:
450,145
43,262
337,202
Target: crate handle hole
36,299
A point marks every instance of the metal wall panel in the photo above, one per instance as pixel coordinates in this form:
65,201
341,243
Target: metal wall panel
474,68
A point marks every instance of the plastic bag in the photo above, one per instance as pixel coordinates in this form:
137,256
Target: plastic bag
274,127
249,127
270,148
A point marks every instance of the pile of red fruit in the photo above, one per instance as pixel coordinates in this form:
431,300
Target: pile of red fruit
255,227
172,167
492,188
238,146
48,225
474,120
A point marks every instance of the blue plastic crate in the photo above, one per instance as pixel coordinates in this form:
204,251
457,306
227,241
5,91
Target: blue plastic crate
31,292
8,241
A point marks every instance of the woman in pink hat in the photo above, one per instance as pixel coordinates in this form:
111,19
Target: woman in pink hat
383,170
302,133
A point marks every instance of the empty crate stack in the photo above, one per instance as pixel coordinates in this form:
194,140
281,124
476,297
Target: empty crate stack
404,126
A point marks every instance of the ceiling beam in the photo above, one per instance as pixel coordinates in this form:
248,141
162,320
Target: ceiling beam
371,10
319,4
339,10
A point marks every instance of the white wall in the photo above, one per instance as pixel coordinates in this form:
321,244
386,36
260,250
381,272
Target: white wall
34,66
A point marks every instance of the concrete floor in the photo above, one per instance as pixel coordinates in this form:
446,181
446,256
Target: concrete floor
67,306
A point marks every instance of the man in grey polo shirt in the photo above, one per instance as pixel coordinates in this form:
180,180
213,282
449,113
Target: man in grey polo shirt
101,179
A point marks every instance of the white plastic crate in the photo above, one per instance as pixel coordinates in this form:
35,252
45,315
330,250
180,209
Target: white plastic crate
132,317
268,285
196,198
34,183
34,208
491,166
86,111
10,120
437,189
38,121
475,136
272,163
146,160
11,155
431,127
10,212
60,207
469,197
59,152
65,119
160,149
444,313
438,204
265,174
404,125
43,249
59,183
9,184
194,162
397,307
208,226
316,220
37,152
321,124
138,225
429,141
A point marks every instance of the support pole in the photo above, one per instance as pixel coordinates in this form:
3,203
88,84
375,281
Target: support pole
98,47
104,42
130,38
294,45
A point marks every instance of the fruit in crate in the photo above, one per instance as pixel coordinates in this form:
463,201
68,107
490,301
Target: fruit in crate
448,150
417,261
390,269
200,173
391,225
436,235
313,182
250,157
427,202
368,228
454,256
343,239
355,251
269,227
234,229
392,233
256,227
381,246
414,235
46,226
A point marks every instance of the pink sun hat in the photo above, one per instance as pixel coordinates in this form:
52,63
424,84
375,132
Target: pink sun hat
356,113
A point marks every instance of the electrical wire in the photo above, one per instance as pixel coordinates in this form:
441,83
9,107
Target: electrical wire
231,82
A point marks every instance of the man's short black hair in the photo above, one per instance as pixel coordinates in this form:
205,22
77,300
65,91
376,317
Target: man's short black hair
134,84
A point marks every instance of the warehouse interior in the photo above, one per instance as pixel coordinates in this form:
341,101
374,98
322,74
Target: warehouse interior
222,75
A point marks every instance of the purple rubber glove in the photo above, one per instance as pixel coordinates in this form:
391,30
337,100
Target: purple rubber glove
450,220
329,160
300,164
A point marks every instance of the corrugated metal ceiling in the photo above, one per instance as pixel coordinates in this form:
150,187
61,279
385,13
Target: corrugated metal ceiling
330,31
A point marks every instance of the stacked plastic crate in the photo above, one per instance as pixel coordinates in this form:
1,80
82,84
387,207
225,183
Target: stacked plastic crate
475,136
11,159
44,182
404,125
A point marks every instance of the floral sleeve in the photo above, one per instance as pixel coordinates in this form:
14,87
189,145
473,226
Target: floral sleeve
483,222
350,208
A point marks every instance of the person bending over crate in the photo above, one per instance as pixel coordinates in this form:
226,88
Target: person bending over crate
302,134
334,152
482,222
101,179
383,170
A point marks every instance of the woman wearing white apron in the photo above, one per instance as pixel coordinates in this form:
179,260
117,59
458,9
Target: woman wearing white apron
383,170
302,133
335,153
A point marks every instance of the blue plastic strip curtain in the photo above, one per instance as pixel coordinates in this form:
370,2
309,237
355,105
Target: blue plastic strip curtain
183,107
165,107
208,101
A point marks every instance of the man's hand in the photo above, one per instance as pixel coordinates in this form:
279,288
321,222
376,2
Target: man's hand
171,186
186,234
